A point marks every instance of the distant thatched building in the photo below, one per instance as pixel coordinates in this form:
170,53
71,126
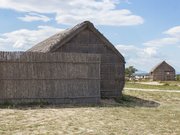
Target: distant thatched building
85,38
163,72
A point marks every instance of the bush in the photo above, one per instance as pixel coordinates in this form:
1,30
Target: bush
166,84
178,77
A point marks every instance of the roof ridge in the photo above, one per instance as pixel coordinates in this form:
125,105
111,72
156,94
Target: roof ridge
59,39
155,67
61,36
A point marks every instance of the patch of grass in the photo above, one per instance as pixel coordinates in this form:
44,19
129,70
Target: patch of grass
8,104
165,86
133,114
176,83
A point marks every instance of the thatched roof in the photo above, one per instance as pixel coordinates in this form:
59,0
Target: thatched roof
159,65
58,40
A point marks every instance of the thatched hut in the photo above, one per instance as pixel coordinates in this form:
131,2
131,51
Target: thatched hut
163,72
85,38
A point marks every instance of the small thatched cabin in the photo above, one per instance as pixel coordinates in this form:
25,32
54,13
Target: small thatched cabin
85,38
163,72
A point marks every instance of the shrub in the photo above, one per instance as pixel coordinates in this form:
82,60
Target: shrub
166,84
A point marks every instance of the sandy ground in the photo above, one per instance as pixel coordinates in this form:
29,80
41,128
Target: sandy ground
150,83
153,90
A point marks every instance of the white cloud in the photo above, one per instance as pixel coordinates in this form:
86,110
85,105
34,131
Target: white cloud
150,51
142,58
34,17
175,32
127,1
133,51
146,57
101,12
173,37
162,41
127,50
117,18
154,51
23,39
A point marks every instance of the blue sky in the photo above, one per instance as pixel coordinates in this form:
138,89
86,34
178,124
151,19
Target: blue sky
146,32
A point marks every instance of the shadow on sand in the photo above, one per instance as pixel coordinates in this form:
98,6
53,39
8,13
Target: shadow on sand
124,101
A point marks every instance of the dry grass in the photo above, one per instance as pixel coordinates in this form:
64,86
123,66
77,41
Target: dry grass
172,83
138,113
165,85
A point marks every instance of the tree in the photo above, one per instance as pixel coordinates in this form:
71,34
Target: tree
178,77
129,71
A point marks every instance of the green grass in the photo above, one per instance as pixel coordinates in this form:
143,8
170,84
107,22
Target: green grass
175,83
23,105
136,113
165,86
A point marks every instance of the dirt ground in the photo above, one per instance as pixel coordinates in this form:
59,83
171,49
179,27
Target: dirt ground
151,83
